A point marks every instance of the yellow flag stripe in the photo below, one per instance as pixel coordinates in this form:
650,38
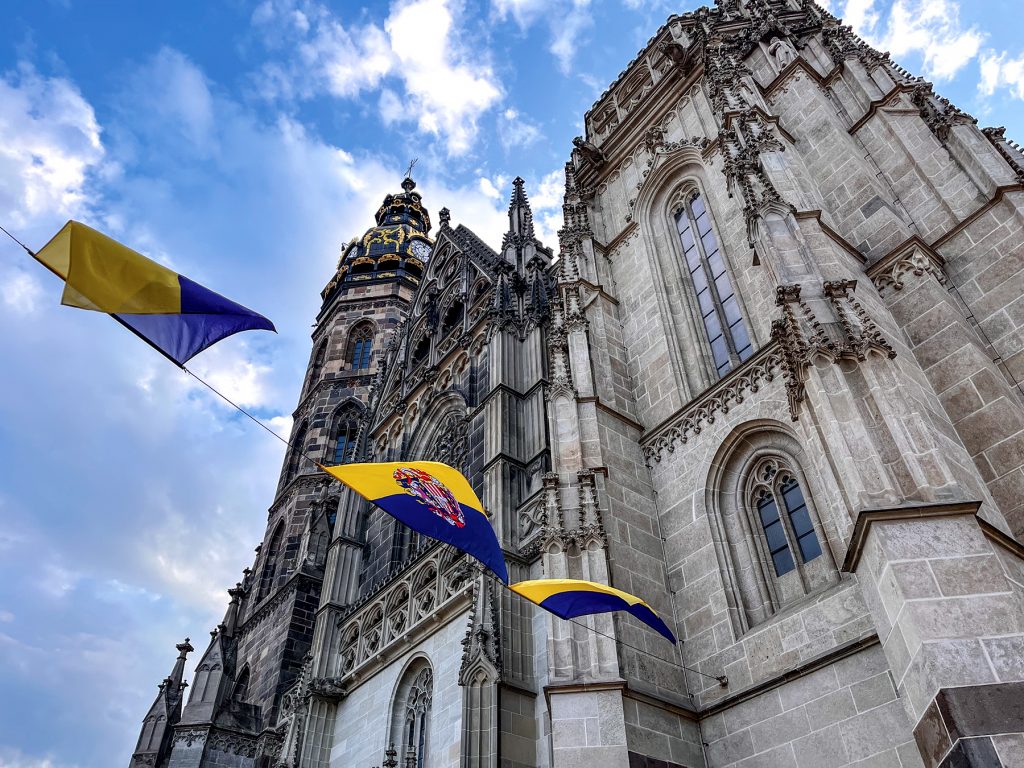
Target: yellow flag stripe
103,275
539,590
375,481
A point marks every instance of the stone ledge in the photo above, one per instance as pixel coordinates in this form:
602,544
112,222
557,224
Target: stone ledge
953,729
868,517
811,665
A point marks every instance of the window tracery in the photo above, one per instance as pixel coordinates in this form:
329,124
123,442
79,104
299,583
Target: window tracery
345,432
768,535
269,576
415,711
716,300
451,443
784,517
360,347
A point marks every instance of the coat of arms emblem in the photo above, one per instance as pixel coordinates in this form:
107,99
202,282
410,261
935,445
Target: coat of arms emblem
431,493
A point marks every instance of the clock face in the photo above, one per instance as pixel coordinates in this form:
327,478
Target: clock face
419,249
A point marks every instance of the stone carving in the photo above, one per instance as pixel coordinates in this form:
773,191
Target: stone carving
589,151
782,53
451,444
913,262
430,585
232,743
938,113
731,390
482,642
802,336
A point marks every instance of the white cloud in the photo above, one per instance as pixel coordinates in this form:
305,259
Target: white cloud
515,130
49,146
20,291
488,189
14,758
546,202
446,85
930,28
566,19
998,71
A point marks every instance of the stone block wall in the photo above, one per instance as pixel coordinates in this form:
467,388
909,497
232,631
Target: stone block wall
362,723
846,713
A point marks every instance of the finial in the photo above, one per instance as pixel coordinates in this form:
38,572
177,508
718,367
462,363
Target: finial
412,164
184,648
445,216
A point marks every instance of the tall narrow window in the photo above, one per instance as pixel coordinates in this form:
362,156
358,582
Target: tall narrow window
719,309
344,437
297,462
361,348
269,574
790,537
316,368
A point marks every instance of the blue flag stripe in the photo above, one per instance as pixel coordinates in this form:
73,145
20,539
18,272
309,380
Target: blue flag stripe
476,537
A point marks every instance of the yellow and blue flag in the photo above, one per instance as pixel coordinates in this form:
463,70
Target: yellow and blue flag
177,316
569,598
432,499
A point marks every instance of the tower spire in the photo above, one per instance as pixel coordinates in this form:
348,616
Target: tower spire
520,215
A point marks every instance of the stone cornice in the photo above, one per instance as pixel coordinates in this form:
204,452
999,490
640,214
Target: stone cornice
799,63
879,104
866,518
718,398
838,239
913,255
997,197
811,665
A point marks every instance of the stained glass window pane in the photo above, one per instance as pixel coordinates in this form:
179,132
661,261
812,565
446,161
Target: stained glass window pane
809,547
775,535
800,520
783,561
718,306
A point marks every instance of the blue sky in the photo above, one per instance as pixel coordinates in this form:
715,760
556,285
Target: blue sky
243,144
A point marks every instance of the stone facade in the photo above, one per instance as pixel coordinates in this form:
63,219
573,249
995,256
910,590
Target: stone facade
771,383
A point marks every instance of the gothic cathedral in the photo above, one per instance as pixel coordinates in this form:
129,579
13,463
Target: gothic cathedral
770,380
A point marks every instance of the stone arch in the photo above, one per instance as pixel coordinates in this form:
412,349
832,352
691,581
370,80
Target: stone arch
411,710
673,176
297,460
272,562
344,430
240,692
359,345
443,420
316,365
754,589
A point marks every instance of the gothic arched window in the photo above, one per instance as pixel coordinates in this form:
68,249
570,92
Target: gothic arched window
297,461
316,368
716,300
345,436
419,353
270,563
767,532
360,347
784,518
241,691
410,717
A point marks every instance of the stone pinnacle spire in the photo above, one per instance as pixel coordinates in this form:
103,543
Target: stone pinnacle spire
520,215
